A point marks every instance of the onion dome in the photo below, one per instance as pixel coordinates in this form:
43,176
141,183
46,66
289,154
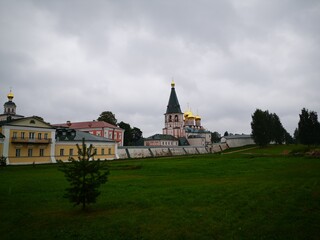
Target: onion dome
187,114
198,117
191,116
10,95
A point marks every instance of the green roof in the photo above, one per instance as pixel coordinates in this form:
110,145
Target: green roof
67,134
161,137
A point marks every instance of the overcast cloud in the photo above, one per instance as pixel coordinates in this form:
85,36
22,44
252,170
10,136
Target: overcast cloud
72,60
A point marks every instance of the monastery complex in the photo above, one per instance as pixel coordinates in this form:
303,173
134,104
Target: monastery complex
31,140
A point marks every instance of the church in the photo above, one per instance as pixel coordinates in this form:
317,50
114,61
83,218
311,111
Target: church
180,128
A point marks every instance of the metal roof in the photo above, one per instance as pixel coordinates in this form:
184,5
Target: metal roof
173,104
162,137
87,125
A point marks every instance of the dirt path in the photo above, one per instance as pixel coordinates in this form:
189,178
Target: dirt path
240,150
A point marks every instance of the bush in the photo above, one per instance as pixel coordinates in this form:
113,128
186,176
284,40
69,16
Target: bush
3,161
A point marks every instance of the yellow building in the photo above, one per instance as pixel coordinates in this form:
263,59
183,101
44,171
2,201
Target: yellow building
28,140
67,140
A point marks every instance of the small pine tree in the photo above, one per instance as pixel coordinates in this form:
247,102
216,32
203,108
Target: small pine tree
85,176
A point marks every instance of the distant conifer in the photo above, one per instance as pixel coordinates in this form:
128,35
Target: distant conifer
84,175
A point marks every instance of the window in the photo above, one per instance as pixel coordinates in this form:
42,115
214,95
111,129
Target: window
95,151
71,152
14,135
31,135
22,135
18,152
61,152
39,135
109,151
30,152
46,136
41,152
102,151
110,135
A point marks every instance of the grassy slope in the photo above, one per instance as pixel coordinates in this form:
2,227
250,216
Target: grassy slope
241,196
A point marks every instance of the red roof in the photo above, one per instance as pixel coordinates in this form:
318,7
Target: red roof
89,124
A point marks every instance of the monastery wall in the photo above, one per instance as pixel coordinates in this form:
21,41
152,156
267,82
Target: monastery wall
147,151
239,142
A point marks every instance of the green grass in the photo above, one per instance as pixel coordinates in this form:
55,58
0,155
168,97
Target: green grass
254,194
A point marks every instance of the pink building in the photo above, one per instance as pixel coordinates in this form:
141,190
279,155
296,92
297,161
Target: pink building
98,128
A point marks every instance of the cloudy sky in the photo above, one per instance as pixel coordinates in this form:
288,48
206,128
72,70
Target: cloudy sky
73,59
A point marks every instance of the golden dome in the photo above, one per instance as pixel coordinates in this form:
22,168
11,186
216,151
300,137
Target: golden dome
191,116
187,114
10,95
198,117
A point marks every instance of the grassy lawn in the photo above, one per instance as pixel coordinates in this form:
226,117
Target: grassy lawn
254,194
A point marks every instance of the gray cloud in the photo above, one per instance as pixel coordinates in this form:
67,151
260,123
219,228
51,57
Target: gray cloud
71,60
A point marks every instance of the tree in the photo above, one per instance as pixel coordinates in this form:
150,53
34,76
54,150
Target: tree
215,137
226,134
127,133
136,136
108,117
267,127
84,175
296,136
277,130
132,136
288,138
260,125
308,127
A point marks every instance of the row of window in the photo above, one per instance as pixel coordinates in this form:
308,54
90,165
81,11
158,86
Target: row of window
62,152
8,110
30,152
116,135
170,118
71,152
31,135
167,143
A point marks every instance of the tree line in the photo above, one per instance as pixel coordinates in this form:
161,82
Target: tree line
132,135
266,127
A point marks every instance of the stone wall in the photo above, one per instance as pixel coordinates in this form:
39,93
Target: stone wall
148,151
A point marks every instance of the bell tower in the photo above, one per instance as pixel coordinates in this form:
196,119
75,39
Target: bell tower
173,117
10,106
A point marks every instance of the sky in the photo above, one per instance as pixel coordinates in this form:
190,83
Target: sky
71,60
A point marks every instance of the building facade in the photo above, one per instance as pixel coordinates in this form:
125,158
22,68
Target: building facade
67,140
97,128
30,140
27,140
161,140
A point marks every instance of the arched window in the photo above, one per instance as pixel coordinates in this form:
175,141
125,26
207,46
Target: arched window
176,119
170,118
